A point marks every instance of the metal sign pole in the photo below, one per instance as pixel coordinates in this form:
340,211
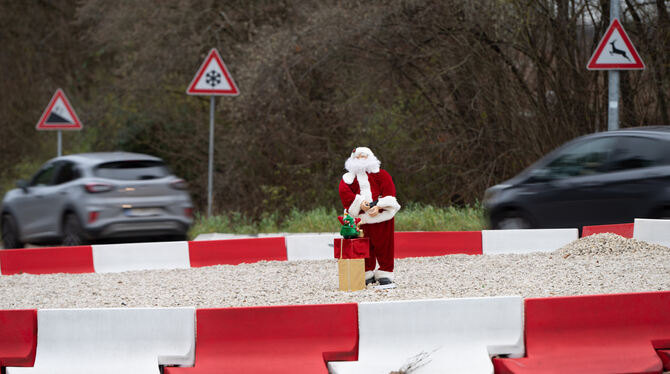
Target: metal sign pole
613,77
212,79
60,143
211,157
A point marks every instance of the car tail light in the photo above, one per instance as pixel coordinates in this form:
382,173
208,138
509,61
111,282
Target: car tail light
179,184
188,212
98,187
93,216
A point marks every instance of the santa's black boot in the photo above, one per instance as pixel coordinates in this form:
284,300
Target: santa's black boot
385,279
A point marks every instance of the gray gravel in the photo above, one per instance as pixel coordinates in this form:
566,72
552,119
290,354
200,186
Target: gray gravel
604,263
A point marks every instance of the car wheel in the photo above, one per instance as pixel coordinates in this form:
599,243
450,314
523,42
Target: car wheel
73,234
511,221
10,234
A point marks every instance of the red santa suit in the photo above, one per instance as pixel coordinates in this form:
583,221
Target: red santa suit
371,184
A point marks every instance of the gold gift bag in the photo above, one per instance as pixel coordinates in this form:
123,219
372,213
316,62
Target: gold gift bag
351,272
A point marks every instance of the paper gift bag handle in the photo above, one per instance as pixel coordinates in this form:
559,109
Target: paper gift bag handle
341,244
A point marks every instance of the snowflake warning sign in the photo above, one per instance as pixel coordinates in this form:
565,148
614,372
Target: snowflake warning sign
59,115
615,51
213,78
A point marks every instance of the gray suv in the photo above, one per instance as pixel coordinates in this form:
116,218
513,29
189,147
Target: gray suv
90,197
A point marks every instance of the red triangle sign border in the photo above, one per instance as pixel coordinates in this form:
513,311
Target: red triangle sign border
193,90
637,63
42,123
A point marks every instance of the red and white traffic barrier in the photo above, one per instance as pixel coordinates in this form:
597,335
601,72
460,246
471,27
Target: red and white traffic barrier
526,241
626,333
112,340
116,258
297,247
656,231
440,336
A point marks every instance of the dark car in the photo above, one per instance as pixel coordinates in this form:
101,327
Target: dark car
89,197
603,178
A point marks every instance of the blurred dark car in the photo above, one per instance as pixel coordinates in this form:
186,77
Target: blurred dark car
89,197
603,178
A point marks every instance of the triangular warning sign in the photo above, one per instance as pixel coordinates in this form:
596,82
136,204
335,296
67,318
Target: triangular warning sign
615,51
59,115
213,78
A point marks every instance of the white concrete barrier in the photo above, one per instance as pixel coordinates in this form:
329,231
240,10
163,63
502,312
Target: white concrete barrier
656,231
114,258
219,236
526,241
101,341
310,247
271,234
436,336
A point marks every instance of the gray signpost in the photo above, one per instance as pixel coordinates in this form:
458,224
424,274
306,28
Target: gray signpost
615,52
212,79
613,82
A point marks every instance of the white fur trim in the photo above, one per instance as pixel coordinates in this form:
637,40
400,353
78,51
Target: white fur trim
386,215
383,274
355,207
369,274
364,185
388,202
390,206
348,178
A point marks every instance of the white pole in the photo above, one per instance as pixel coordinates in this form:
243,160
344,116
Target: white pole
613,77
210,175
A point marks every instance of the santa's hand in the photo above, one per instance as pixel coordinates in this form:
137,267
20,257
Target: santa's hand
365,206
373,211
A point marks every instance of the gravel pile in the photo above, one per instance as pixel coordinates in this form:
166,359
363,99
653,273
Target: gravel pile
597,264
610,244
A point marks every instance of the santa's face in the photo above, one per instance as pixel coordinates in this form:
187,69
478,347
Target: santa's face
362,162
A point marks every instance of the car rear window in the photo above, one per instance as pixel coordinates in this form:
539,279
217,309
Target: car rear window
132,170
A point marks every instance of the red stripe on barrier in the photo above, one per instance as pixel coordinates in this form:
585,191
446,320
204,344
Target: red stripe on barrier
236,251
593,334
622,229
18,337
47,260
435,243
277,339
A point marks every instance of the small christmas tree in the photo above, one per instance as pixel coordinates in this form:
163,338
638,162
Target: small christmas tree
349,229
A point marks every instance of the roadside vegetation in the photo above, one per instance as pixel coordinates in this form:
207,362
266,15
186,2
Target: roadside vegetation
413,217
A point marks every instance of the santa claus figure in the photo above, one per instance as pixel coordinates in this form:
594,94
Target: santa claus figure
367,192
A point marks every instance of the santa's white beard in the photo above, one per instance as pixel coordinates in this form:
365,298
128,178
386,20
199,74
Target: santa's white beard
357,165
